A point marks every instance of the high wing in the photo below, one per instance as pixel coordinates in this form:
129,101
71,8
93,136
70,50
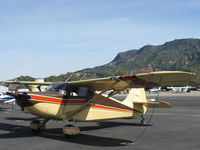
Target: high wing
118,83
28,83
149,80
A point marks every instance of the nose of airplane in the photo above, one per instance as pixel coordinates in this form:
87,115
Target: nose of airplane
22,99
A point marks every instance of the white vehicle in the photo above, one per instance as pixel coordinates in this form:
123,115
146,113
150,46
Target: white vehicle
7,99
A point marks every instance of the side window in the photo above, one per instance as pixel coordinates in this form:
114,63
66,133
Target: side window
82,91
79,92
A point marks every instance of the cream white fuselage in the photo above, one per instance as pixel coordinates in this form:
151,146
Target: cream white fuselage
58,108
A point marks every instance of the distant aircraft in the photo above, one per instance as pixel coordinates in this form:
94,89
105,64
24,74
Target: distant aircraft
7,99
155,90
179,89
86,100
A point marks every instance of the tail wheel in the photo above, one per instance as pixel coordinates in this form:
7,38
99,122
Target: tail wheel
142,120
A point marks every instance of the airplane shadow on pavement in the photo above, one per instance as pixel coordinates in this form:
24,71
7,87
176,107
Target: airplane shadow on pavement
18,131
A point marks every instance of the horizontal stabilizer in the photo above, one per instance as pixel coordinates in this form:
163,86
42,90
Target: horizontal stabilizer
161,104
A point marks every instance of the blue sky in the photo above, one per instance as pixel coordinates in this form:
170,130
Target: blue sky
50,37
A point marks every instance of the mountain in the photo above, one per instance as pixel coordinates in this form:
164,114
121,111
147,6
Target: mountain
177,55
181,54
24,78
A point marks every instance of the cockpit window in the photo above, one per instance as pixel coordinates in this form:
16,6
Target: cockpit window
79,92
71,91
56,87
82,91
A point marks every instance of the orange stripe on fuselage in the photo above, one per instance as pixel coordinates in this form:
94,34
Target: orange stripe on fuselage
110,108
74,101
56,100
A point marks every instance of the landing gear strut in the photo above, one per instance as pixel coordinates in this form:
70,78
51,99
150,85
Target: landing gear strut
70,130
37,126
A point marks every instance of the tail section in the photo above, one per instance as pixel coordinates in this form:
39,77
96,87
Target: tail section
135,95
136,99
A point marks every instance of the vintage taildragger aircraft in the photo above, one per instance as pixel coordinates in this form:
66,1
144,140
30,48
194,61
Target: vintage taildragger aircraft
85,100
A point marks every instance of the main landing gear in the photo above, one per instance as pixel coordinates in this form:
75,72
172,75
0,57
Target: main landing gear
69,130
37,126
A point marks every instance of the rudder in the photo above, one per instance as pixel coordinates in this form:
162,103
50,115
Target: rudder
135,99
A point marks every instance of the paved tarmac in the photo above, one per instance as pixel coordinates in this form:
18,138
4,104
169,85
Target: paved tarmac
166,129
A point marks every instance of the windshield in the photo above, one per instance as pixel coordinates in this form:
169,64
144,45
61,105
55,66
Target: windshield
56,87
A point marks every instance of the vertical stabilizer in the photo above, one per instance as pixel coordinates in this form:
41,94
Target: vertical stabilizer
137,96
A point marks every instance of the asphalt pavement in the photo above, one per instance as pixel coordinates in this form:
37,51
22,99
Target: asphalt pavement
165,129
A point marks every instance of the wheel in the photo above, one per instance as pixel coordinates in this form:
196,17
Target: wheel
70,131
35,126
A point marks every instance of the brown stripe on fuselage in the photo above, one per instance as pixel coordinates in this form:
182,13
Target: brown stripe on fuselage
49,94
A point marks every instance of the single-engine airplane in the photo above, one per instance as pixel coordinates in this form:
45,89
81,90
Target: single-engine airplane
85,100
